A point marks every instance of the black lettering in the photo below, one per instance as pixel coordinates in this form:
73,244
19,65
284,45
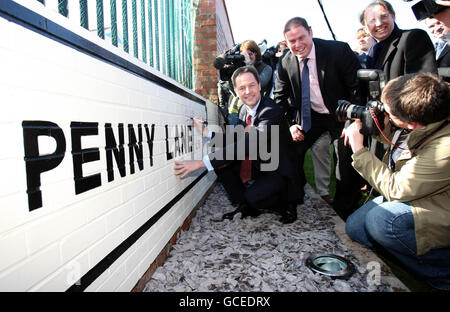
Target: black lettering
135,147
168,154
150,139
119,151
182,139
35,164
177,150
81,156
189,140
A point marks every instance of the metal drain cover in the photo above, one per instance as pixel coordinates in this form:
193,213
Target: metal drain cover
330,265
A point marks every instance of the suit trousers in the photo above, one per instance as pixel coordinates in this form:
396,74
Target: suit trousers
348,181
267,192
320,153
320,123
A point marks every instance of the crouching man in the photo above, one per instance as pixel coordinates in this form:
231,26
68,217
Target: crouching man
411,219
250,183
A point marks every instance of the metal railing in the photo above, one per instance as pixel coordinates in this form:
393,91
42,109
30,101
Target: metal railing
160,33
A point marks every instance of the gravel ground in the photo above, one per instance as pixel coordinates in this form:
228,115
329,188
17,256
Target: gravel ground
255,254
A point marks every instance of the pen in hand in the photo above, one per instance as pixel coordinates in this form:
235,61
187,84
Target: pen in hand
198,120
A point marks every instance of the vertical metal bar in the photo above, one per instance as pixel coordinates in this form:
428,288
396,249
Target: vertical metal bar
168,40
176,39
183,43
100,20
144,31
150,32
62,7
126,47
135,34
163,39
113,23
84,21
172,38
156,10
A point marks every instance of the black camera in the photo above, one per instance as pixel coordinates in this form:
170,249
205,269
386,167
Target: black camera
426,8
371,114
228,62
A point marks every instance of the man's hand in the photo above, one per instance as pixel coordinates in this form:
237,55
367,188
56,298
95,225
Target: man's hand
183,168
296,132
353,136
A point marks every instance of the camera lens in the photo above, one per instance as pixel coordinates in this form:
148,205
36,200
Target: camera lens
348,111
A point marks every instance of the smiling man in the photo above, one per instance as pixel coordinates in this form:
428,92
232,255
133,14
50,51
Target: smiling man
249,183
397,52
311,78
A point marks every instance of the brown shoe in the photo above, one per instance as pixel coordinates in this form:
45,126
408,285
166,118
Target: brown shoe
328,199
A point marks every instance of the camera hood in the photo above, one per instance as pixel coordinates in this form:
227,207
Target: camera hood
426,8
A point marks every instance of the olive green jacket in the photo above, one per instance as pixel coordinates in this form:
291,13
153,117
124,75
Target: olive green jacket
421,178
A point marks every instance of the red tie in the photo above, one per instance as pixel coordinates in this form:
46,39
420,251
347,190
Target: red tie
246,165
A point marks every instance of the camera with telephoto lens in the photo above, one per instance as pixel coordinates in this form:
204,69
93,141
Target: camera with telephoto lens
373,112
228,62
426,8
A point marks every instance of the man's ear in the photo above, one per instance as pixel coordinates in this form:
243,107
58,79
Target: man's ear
413,125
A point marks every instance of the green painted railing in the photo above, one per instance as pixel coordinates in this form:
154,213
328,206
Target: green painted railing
160,33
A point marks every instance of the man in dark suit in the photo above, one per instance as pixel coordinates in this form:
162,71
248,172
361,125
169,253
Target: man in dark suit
439,31
397,52
311,78
256,183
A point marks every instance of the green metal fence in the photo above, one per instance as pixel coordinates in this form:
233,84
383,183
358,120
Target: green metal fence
160,33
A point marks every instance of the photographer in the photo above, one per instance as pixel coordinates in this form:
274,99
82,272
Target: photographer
411,219
250,50
246,53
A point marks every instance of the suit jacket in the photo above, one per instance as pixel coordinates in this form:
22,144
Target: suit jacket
443,63
337,67
410,52
267,114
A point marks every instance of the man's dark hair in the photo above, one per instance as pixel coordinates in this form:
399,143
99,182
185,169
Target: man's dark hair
245,69
423,98
295,22
384,4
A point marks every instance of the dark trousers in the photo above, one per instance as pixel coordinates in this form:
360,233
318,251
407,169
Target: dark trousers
265,193
348,182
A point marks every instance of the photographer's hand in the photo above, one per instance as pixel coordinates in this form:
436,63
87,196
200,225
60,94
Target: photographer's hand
248,61
353,136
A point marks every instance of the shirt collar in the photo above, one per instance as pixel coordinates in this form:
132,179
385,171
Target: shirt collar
311,55
253,111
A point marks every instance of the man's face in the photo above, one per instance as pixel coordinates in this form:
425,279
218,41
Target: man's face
444,17
436,28
248,89
299,41
365,42
379,22
394,119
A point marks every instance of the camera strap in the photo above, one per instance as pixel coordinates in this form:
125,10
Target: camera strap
375,119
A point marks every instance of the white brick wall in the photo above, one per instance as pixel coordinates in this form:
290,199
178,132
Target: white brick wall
50,248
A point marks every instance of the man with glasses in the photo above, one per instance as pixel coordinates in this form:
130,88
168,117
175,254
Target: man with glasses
397,52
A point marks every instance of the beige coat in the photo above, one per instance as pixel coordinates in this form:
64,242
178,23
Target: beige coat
421,177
